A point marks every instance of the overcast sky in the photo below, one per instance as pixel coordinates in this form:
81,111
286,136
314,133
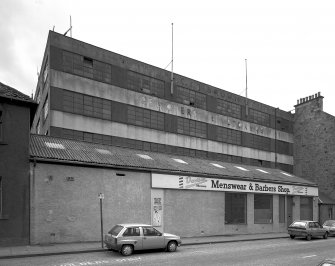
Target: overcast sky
289,45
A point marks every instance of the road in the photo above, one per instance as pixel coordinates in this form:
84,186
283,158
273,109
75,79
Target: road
262,252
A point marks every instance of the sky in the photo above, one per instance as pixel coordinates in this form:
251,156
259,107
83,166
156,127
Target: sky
289,44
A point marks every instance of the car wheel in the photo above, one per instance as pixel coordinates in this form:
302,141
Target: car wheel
309,237
171,246
325,236
292,236
127,250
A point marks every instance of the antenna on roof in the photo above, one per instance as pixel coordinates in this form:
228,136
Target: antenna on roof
70,29
172,63
246,87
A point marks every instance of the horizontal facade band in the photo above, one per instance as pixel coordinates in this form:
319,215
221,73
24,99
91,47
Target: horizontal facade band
99,126
110,92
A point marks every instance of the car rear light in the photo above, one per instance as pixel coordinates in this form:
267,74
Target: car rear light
115,241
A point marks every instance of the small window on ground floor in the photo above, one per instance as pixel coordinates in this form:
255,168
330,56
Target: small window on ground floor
306,208
235,208
263,209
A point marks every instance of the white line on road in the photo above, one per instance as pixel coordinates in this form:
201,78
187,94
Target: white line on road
305,257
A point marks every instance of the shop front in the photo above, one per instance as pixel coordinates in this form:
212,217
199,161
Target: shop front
195,206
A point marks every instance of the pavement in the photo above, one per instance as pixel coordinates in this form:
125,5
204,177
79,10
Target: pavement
87,247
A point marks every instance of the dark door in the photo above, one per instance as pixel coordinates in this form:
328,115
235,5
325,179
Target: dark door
289,210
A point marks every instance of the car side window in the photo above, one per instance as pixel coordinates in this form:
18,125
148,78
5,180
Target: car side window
317,225
311,225
134,231
150,231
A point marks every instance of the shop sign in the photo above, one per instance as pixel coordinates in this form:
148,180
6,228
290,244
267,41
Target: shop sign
215,184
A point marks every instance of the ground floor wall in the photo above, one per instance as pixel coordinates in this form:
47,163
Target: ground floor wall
202,213
327,212
65,206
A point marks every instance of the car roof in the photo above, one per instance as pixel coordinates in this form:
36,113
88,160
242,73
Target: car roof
305,221
329,221
134,224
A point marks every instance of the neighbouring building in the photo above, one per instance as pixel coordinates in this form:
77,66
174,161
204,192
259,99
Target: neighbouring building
314,150
118,126
16,113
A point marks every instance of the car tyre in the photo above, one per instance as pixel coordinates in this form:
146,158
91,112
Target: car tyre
127,250
325,236
171,246
292,236
309,237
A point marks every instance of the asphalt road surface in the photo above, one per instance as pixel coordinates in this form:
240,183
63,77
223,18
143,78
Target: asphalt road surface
262,252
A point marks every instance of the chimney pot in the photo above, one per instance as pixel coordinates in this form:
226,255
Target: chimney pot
319,94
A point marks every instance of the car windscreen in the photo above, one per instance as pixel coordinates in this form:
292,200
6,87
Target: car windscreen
329,223
115,230
298,225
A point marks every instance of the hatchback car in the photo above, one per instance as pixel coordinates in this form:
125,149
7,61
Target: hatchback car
307,229
329,226
126,238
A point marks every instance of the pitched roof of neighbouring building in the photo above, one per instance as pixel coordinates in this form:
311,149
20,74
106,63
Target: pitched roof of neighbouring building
71,151
9,92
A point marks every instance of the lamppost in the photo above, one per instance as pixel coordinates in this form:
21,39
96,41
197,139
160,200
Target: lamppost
101,197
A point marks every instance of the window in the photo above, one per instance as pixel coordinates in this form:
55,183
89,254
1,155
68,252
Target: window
306,208
38,126
191,97
1,204
259,142
191,127
259,117
135,231
235,208
281,209
45,70
146,118
1,125
142,83
263,209
85,66
46,108
228,108
150,231
229,135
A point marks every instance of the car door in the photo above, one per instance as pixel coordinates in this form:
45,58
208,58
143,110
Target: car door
152,238
132,236
318,229
310,228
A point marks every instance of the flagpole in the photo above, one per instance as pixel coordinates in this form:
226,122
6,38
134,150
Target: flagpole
172,63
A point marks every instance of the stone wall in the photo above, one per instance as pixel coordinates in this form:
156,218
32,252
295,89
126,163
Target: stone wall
314,144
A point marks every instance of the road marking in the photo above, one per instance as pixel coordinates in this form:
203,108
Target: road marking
305,257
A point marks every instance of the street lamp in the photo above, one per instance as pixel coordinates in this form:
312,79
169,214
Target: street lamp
101,197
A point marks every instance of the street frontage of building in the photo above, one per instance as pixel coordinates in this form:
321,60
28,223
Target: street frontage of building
182,195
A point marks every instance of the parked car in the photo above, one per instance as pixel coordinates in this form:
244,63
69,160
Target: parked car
307,229
327,262
126,238
329,225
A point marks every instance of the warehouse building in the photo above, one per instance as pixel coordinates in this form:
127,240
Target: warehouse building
188,157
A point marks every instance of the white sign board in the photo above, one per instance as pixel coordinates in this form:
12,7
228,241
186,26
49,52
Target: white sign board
215,184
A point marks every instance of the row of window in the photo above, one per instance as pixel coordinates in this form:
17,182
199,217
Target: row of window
103,109
162,148
1,125
236,208
90,68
